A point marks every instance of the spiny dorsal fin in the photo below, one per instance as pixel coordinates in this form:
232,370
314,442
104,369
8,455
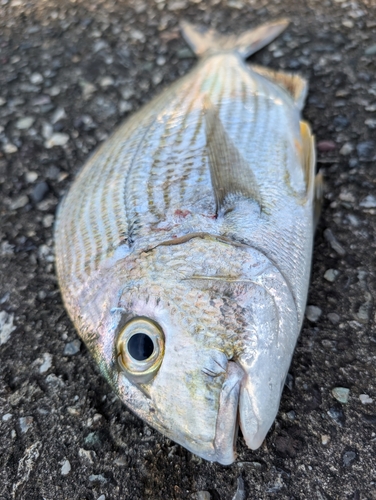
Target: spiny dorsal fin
204,42
230,174
295,85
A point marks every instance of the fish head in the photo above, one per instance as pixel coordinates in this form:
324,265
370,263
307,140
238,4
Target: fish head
197,346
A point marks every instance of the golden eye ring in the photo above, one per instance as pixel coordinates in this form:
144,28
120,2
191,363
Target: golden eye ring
140,349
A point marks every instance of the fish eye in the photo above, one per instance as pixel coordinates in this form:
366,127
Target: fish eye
140,349
140,346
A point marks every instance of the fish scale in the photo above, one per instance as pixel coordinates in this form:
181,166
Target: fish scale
192,227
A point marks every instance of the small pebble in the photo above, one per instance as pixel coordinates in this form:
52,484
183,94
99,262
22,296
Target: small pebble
47,130
54,91
365,399
47,363
325,439
325,146
24,123
6,326
59,114
333,318
313,313
9,148
25,423
36,78
341,394
66,468
371,50
331,275
88,89
57,139
75,412
354,221
184,53
40,191
337,415
348,23
368,202
161,61
125,106
348,457
289,381
72,348
19,202
371,123
331,239
97,478
347,197
346,149
7,417
177,5
365,149
48,220
92,439
102,497
54,381
106,81
31,177
86,455
203,495
121,461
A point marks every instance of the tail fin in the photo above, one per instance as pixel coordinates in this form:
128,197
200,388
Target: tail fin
204,42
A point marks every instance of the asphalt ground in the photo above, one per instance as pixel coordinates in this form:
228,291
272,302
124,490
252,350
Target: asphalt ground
70,73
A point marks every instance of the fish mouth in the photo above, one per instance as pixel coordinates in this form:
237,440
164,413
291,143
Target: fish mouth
227,425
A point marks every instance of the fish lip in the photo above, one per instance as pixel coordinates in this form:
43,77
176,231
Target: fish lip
227,425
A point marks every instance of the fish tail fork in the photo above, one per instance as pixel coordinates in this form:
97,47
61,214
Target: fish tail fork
206,42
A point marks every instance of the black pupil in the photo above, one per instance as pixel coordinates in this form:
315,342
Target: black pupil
140,346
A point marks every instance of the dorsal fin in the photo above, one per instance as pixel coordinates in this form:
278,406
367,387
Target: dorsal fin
295,85
230,173
206,41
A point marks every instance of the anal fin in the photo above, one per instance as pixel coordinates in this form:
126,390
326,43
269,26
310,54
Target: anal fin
315,184
231,175
319,193
308,157
295,85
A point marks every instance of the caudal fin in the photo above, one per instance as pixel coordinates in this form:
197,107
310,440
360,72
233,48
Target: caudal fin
204,42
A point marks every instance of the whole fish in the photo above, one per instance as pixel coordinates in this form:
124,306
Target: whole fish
184,247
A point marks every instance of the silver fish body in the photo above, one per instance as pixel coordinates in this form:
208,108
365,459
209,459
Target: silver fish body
184,247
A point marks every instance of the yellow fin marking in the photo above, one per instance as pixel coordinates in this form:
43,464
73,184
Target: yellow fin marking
295,85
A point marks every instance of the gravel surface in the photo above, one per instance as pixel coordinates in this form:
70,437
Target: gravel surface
72,71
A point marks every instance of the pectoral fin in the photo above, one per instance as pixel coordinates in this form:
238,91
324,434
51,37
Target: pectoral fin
295,85
231,175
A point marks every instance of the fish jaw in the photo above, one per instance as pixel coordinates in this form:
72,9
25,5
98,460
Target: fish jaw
256,414
227,421
222,448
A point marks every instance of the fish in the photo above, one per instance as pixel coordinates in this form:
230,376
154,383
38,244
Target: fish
184,246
